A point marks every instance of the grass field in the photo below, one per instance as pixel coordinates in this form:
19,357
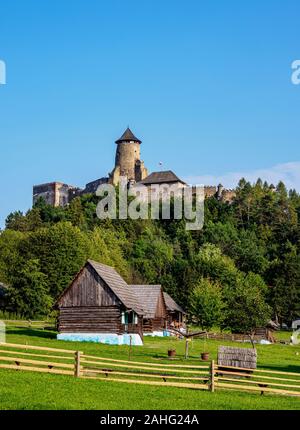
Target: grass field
26,390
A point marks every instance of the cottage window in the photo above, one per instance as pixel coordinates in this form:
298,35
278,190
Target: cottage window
129,317
123,318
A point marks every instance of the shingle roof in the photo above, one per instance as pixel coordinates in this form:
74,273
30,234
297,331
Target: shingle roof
119,287
172,305
162,177
128,136
147,296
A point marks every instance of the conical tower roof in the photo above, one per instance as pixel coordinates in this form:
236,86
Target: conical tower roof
128,136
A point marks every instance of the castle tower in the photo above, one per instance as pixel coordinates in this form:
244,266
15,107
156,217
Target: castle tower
128,162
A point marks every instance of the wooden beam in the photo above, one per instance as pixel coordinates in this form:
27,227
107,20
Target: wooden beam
36,369
77,364
275,384
150,375
225,372
42,363
41,348
260,389
146,363
212,376
143,367
219,368
36,355
166,384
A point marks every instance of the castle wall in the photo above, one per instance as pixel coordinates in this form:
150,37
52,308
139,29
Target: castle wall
54,193
209,191
45,191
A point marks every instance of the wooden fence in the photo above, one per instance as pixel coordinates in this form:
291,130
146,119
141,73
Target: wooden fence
208,377
137,372
29,323
259,380
37,358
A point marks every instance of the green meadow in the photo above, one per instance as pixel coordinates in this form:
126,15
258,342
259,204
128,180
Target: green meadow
28,390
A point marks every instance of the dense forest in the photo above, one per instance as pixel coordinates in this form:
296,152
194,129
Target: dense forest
246,258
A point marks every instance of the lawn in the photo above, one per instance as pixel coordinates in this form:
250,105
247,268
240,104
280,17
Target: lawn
26,390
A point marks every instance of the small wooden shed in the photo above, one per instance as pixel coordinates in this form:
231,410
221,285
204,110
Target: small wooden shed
151,300
245,358
175,313
99,305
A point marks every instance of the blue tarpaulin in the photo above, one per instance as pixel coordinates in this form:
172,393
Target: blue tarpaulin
108,338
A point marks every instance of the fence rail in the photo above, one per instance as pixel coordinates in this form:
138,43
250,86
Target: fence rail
143,372
261,380
208,377
37,358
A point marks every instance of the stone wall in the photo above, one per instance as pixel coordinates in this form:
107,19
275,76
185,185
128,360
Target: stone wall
54,193
210,191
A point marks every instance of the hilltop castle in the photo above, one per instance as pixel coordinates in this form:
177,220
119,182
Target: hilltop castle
127,163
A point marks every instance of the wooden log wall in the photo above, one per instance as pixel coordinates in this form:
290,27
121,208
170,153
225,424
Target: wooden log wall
147,326
90,320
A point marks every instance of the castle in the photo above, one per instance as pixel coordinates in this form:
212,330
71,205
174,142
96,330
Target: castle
127,163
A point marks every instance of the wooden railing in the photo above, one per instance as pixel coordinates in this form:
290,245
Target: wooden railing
259,380
37,359
29,323
203,377
137,372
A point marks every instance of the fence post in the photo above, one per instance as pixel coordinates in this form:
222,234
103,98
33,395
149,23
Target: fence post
212,376
77,364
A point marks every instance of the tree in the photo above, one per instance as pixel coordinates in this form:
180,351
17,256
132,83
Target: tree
108,247
62,250
206,304
28,293
152,256
75,213
211,263
16,221
284,277
246,308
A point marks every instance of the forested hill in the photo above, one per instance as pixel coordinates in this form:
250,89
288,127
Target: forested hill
254,242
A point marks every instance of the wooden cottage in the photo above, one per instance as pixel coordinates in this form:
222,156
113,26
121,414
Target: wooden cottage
175,313
100,306
151,299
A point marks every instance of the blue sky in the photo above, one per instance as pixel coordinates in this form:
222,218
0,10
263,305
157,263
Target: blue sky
205,85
